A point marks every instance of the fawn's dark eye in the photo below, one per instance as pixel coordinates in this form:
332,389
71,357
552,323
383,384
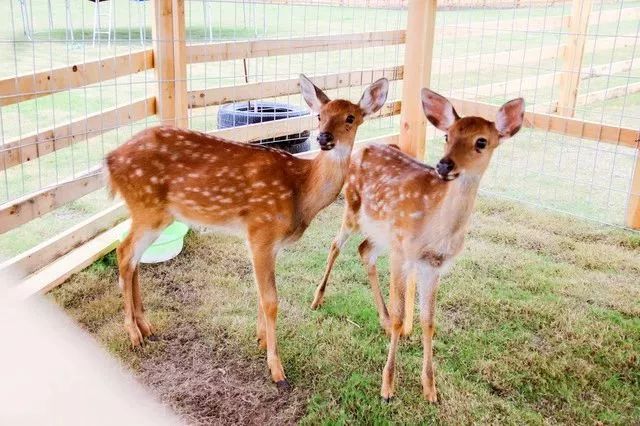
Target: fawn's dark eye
350,119
446,138
481,143
319,117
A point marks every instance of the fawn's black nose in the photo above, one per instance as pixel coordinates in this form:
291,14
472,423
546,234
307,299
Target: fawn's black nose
445,166
325,140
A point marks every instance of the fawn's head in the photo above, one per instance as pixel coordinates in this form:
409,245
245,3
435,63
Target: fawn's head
339,119
470,140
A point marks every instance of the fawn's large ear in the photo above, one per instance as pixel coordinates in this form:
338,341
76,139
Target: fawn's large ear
509,118
438,110
374,97
314,97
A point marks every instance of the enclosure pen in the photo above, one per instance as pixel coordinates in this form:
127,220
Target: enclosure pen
65,102
79,78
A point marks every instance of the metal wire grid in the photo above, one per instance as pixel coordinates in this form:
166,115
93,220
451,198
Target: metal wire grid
522,45
288,22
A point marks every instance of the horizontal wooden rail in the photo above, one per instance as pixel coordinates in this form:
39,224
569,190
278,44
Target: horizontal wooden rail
610,93
270,89
272,129
545,80
58,271
563,125
591,97
29,86
34,205
37,144
48,251
226,51
543,23
514,58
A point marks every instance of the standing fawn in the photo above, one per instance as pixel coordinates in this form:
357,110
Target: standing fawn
420,214
266,195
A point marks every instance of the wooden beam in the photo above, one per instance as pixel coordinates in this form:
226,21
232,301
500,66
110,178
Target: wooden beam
48,251
591,97
83,256
76,260
417,61
632,217
543,23
554,123
29,86
522,56
516,85
272,129
37,144
163,51
610,93
270,89
572,57
29,207
180,64
226,51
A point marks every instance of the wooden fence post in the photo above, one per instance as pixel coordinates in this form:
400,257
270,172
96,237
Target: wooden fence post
633,205
572,57
180,64
417,74
169,59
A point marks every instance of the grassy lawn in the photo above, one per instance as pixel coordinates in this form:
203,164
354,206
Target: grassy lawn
538,322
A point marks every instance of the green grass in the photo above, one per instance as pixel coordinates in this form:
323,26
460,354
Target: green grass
537,322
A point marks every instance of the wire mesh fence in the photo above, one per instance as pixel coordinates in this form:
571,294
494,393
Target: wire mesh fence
492,55
77,78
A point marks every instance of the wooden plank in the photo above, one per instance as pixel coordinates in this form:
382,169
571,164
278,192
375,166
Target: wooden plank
516,58
272,129
226,51
29,207
591,97
37,144
632,217
29,86
417,61
180,64
543,23
162,34
572,57
516,85
76,260
557,124
270,89
48,251
610,93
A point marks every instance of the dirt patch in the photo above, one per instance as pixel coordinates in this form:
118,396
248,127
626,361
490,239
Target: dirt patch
208,385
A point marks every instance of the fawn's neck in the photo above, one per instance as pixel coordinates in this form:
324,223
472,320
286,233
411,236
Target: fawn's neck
324,180
458,204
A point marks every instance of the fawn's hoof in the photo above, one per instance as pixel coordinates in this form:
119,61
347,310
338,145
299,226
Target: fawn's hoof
283,385
153,338
387,400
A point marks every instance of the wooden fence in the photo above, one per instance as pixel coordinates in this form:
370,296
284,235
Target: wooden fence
61,256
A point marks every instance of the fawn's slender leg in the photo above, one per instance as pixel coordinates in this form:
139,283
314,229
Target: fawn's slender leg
138,308
428,280
129,254
336,245
260,327
369,256
396,314
264,263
